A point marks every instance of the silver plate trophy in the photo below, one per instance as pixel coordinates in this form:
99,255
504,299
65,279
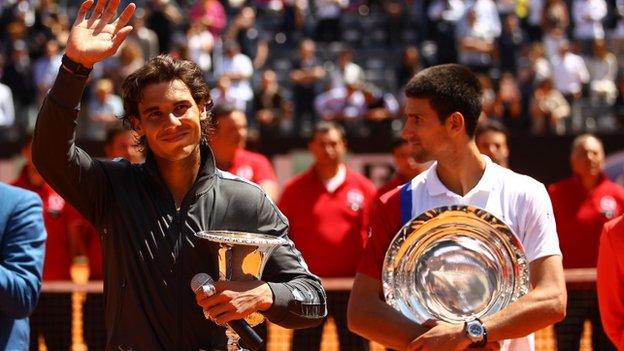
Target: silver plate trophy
453,264
242,256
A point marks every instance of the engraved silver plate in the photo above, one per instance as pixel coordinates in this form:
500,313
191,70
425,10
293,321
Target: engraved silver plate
453,264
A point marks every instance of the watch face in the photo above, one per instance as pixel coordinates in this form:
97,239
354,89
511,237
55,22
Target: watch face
475,329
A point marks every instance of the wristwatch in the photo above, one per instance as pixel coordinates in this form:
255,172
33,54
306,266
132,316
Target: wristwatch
74,67
476,332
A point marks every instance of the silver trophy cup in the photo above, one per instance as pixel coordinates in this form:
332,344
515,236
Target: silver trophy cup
453,264
242,256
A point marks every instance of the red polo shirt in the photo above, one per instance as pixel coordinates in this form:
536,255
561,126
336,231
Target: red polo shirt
56,220
385,223
252,166
580,215
610,281
330,229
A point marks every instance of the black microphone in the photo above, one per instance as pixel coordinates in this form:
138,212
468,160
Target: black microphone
249,338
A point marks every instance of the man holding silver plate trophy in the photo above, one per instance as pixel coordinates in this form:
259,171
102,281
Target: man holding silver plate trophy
466,254
176,219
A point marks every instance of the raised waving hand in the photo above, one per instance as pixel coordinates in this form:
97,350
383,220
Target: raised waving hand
98,37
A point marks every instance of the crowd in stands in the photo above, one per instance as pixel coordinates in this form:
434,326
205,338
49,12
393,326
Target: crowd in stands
546,66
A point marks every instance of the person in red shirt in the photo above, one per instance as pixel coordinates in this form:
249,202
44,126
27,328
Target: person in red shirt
582,204
491,138
406,166
327,208
610,280
228,145
52,318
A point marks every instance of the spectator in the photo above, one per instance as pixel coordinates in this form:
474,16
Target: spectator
508,102
552,41
582,204
212,14
549,108
18,76
555,16
239,69
222,94
104,110
381,110
145,37
535,19
252,38
345,105
328,20
569,73
228,144
475,44
54,327
610,280
345,62
406,166
200,45
327,208
510,43
488,95
539,65
603,69
129,60
306,75
588,16
163,18
446,16
7,110
487,17
409,66
491,138
22,236
46,67
271,109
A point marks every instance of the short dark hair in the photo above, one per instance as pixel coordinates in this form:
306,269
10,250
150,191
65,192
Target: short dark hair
325,126
449,88
164,68
222,110
491,125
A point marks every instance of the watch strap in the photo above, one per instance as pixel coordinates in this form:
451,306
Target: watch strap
74,67
483,342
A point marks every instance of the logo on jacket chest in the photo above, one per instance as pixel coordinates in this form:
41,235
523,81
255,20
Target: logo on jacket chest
54,205
355,199
608,206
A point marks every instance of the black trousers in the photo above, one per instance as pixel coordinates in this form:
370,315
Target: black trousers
52,320
582,306
310,339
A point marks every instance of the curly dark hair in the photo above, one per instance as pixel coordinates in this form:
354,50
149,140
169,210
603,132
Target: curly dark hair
164,68
449,88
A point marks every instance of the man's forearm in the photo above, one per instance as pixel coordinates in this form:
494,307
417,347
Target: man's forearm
541,307
379,322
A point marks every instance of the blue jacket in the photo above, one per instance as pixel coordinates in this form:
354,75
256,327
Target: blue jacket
22,245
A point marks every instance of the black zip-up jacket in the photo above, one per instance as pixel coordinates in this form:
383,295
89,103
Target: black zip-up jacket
150,250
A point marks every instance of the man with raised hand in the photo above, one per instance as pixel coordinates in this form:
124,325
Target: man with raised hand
148,214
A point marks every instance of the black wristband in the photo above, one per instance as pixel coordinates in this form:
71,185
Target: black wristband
74,67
